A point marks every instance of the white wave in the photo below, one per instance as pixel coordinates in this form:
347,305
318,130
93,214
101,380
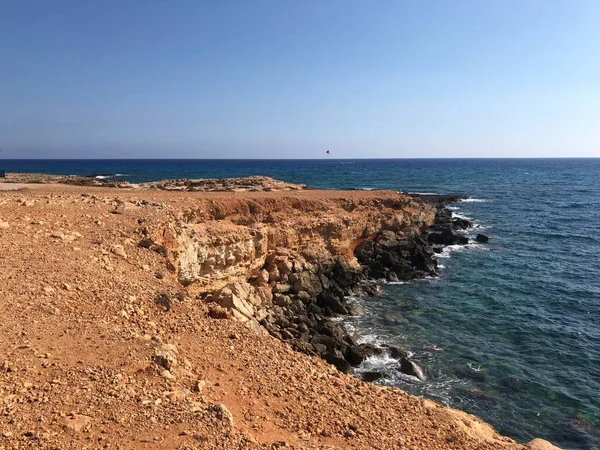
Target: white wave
456,215
474,200
425,193
459,248
453,208
372,339
378,362
365,189
103,177
441,266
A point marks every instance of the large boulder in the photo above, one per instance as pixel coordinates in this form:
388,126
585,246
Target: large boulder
236,297
357,354
334,303
336,358
423,261
308,282
482,238
411,368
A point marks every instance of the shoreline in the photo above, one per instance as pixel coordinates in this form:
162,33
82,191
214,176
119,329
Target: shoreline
176,230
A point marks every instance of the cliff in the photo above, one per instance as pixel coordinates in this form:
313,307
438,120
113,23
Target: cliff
140,319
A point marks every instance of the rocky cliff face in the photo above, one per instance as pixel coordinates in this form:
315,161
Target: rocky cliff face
230,240
284,264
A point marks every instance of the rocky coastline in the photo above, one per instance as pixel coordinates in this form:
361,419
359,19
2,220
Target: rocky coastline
150,318
305,297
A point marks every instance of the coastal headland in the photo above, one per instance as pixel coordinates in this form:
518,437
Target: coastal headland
197,314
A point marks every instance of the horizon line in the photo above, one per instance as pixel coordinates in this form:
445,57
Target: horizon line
304,159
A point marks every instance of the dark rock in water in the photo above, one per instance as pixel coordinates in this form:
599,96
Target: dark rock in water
422,261
411,368
396,352
355,310
446,237
356,355
370,289
461,224
392,277
482,238
461,240
438,249
371,376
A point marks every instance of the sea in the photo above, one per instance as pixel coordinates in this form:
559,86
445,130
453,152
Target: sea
510,330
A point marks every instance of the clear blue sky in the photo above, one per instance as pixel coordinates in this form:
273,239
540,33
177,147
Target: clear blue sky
292,78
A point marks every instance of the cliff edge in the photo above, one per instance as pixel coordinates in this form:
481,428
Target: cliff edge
146,319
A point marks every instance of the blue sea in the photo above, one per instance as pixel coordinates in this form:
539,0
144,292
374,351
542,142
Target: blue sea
510,330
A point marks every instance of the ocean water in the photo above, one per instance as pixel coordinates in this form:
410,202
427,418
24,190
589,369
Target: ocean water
510,330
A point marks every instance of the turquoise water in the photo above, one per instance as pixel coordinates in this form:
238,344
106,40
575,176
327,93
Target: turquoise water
510,330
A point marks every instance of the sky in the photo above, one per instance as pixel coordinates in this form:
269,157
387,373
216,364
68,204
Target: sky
291,79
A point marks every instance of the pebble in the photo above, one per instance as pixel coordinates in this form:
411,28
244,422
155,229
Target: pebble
118,250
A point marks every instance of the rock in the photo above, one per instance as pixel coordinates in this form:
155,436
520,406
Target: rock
392,277
422,261
167,375
285,266
218,312
146,243
461,224
357,354
118,250
263,277
461,240
482,238
308,282
371,376
411,368
396,352
119,208
286,334
179,395
4,225
333,329
166,356
273,273
304,297
234,297
77,422
165,301
199,386
336,358
222,413
281,300
355,309
281,288
160,249
327,300
364,251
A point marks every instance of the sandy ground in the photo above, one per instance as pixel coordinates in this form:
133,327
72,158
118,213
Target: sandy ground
90,359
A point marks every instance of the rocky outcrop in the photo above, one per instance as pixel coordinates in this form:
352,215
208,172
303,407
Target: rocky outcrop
286,265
